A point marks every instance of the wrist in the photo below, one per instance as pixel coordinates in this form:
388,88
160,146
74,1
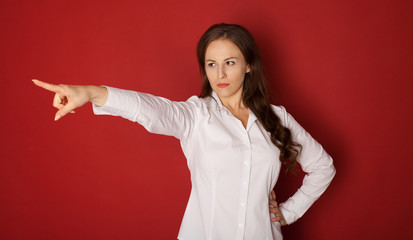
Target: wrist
98,95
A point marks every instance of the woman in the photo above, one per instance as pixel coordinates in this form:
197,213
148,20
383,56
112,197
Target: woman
233,139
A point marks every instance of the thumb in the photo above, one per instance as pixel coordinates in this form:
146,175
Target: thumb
273,195
63,111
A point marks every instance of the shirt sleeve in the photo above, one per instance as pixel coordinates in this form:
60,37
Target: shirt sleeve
156,114
319,169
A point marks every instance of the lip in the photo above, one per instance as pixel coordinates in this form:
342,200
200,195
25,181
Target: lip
223,85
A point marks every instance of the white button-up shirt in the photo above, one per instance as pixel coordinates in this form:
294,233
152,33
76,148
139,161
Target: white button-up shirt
233,169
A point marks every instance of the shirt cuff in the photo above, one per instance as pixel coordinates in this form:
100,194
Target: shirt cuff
101,110
118,102
300,203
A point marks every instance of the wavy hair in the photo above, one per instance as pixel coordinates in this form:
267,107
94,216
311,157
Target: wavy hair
255,89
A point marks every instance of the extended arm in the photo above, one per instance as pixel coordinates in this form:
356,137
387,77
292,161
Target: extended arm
156,114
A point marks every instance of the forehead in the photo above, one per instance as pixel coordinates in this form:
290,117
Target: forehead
221,49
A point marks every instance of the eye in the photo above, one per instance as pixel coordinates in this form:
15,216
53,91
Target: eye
211,64
230,63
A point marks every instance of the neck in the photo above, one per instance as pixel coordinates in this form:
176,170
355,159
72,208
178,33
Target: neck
233,103
236,106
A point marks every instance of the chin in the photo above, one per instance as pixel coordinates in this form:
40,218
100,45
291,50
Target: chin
224,94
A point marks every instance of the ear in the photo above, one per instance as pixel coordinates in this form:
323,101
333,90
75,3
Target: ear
248,69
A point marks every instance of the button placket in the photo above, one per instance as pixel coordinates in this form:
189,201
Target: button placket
245,186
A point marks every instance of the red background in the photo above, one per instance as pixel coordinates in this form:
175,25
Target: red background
343,69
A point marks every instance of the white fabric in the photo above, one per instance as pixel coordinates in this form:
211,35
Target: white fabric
233,169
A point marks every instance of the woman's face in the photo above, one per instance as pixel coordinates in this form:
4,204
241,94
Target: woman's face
225,68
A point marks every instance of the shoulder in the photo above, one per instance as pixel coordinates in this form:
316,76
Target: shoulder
281,113
278,109
287,120
206,103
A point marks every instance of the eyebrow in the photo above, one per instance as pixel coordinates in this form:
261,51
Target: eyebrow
226,59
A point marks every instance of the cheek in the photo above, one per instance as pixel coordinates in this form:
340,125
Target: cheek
238,74
209,74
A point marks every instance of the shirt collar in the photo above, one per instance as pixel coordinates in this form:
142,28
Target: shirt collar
220,106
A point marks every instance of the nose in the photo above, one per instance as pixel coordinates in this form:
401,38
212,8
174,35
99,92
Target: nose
221,72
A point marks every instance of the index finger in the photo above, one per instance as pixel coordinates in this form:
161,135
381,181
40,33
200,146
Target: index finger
273,195
47,86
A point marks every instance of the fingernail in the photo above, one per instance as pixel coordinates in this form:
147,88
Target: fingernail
57,117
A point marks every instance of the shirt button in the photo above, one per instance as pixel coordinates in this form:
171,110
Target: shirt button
246,163
245,183
242,204
240,225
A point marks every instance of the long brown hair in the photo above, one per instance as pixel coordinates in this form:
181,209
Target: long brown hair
255,89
